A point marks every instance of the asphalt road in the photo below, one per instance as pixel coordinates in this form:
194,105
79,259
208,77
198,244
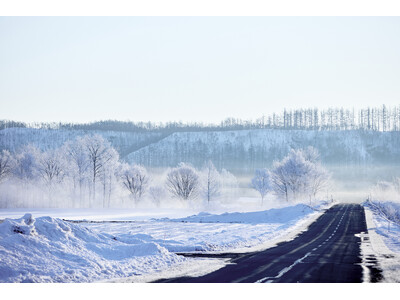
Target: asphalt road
328,251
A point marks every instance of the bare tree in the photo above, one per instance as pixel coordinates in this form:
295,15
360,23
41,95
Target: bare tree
279,181
107,174
135,179
99,153
319,179
51,169
6,164
25,171
78,168
261,183
183,181
211,182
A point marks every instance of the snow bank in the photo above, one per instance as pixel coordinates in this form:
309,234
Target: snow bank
383,239
233,232
276,215
46,249
51,250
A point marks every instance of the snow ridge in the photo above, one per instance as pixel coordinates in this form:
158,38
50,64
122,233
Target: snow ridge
51,250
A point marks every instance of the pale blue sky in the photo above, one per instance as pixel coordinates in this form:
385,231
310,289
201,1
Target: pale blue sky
82,69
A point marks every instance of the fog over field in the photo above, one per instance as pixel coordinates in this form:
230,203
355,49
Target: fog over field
199,149
356,151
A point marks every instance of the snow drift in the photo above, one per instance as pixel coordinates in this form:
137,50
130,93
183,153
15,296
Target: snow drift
51,250
288,214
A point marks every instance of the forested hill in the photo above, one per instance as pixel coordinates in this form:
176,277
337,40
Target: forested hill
234,150
250,149
13,139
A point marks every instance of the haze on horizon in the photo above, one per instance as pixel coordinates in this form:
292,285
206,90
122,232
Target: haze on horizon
81,69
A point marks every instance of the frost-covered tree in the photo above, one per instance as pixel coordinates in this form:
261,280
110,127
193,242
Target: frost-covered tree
78,166
51,170
26,161
183,182
318,179
279,180
51,167
210,182
6,164
298,174
99,152
261,182
107,176
135,179
311,154
25,173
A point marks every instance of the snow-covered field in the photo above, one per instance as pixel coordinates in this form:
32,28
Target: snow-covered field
210,232
47,249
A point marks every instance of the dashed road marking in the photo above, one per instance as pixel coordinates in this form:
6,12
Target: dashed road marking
283,271
287,269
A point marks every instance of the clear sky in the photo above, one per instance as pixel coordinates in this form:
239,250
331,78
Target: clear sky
81,69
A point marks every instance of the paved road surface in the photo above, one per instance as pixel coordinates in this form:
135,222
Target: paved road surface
328,251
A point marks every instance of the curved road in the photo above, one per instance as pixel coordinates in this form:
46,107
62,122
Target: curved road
328,251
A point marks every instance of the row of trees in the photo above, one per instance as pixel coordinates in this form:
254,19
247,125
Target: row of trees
299,174
372,118
376,118
87,172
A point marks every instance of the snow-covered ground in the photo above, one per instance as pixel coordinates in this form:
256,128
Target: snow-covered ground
91,214
210,232
383,243
48,249
51,250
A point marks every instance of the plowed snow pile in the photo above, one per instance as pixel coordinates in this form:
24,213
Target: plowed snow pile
51,250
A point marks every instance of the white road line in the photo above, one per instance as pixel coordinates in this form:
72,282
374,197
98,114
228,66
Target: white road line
287,269
283,271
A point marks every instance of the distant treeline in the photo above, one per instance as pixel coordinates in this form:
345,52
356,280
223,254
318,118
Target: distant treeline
382,118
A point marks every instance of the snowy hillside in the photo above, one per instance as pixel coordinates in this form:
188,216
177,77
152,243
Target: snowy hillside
250,149
234,150
124,142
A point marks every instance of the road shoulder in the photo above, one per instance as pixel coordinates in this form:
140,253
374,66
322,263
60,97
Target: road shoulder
373,246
